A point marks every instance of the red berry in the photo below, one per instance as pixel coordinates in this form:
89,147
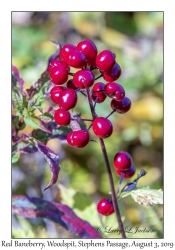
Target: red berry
77,59
122,106
62,117
59,75
115,91
78,139
55,93
105,60
70,85
98,98
105,207
67,99
88,48
65,52
102,127
55,63
98,92
122,161
113,74
128,173
83,79
91,63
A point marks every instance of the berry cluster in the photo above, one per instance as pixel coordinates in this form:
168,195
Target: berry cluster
85,58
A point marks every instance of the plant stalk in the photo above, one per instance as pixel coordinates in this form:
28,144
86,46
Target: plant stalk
114,199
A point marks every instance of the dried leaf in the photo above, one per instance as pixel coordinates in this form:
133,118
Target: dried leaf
148,197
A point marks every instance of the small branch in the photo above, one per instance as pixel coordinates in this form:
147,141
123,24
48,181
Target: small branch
89,127
86,120
98,77
95,104
120,183
93,67
113,111
108,168
78,90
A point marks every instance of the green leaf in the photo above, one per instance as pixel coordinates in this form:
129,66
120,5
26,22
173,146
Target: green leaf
46,117
15,157
17,97
37,100
46,88
81,204
148,197
15,122
34,122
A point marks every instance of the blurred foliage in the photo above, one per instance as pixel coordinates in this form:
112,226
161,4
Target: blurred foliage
137,40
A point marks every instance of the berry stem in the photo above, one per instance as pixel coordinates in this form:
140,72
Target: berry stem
78,90
120,183
95,104
93,67
98,77
89,127
114,199
87,120
113,111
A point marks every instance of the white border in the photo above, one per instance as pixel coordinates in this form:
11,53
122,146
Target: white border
5,99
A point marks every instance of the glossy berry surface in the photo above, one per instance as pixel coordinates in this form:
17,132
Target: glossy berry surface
62,117
128,173
77,59
67,99
105,207
59,75
122,161
88,48
83,79
70,85
98,98
55,63
113,74
102,127
78,139
122,106
65,52
115,91
98,92
105,60
55,93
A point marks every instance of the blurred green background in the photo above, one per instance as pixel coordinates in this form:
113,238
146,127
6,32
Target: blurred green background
137,40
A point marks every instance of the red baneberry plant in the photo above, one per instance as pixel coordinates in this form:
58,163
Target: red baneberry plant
62,124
